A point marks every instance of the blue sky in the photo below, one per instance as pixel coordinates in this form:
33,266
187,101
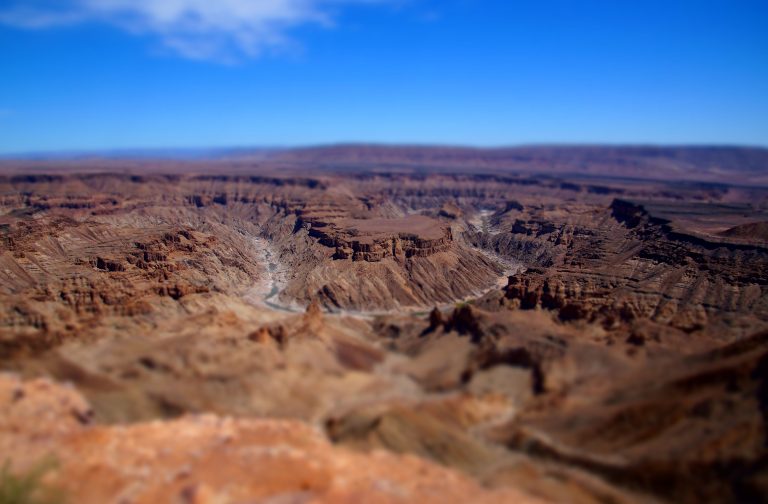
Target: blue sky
121,74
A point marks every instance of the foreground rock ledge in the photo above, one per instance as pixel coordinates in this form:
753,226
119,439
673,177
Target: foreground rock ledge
209,459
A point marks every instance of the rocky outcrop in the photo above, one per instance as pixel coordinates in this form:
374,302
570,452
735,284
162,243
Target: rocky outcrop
60,276
417,281
635,266
751,231
402,246
209,459
376,239
688,430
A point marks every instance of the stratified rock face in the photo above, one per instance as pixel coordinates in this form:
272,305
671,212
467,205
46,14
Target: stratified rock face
60,275
414,282
209,459
353,258
77,248
375,239
635,266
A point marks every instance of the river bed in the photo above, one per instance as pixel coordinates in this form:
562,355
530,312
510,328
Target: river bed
266,290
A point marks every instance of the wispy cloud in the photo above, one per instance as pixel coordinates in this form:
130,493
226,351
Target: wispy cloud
197,29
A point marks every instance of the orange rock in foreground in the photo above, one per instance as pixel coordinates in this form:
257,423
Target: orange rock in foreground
207,459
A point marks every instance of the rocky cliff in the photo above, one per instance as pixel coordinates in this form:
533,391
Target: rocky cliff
632,265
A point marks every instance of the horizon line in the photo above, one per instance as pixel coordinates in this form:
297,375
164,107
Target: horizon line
220,152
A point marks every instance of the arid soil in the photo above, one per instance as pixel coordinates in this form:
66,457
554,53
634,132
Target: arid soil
354,326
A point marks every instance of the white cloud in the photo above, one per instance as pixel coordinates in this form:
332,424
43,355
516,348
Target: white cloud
198,29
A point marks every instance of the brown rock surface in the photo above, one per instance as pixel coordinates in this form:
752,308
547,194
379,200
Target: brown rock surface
688,429
633,266
591,339
209,459
753,231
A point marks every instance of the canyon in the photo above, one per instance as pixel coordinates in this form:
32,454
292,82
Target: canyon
389,324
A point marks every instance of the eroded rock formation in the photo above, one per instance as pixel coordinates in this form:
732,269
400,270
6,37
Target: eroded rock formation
576,339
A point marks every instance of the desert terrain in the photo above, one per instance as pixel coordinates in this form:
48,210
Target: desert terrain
389,324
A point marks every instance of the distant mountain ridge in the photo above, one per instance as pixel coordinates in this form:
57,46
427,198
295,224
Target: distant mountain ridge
554,158
702,164
152,153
